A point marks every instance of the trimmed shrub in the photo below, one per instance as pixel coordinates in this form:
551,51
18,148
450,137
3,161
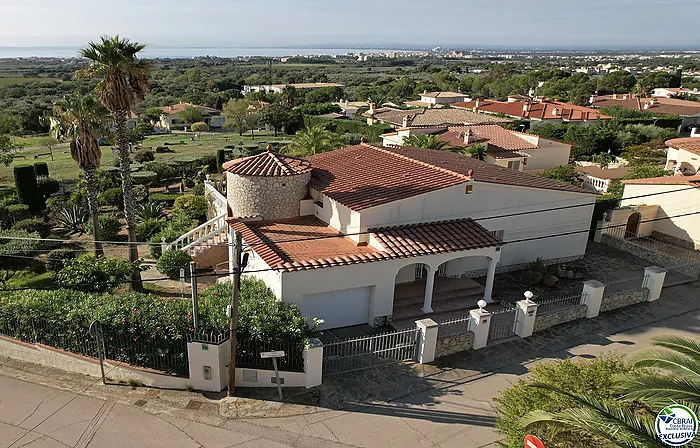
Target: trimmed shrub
56,203
27,189
41,169
147,228
169,233
47,186
172,261
168,198
210,162
220,160
163,170
144,155
18,212
34,225
113,197
200,126
109,227
79,197
57,257
95,274
195,207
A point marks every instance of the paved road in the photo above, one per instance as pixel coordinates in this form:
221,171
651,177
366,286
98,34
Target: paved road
54,415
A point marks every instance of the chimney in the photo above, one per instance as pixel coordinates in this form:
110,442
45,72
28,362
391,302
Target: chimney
405,121
425,92
694,132
469,137
646,106
478,103
591,100
555,111
614,96
526,107
624,97
372,108
652,102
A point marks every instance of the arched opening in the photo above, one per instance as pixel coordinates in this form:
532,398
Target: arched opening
632,227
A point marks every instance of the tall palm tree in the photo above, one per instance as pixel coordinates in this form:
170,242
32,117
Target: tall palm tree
123,82
679,361
82,118
314,140
425,141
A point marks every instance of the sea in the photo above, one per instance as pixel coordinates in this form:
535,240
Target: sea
190,52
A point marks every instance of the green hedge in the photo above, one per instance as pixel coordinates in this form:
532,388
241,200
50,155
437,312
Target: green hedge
41,169
27,188
168,198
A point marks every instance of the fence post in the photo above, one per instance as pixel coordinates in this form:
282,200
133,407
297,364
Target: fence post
427,340
593,297
479,324
654,277
313,363
598,236
525,316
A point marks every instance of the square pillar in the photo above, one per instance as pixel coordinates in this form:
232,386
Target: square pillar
526,313
654,277
428,298
598,237
490,275
313,363
205,366
427,340
593,297
479,325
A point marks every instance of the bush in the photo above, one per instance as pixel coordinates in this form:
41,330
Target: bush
78,197
109,227
27,188
73,218
56,203
172,261
210,162
47,186
147,228
220,160
144,155
163,170
113,197
95,274
57,257
200,126
168,198
195,207
169,233
41,169
18,212
34,225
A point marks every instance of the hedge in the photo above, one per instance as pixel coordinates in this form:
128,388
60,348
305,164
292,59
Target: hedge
168,198
27,188
41,169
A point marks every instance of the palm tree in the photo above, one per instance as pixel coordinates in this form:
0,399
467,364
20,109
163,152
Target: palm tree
314,140
475,151
614,422
124,81
425,141
82,118
679,359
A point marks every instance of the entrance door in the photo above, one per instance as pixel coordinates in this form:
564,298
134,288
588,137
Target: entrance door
632,225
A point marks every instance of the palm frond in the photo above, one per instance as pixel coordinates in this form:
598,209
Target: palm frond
671,361
659,391
686,346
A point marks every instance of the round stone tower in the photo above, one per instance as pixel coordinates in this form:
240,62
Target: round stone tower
268,185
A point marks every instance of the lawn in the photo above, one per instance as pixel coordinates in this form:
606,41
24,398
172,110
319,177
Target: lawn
63,167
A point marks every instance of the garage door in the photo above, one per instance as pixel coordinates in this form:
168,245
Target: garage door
340,308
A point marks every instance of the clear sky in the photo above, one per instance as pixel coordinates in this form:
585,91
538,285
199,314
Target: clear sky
237,23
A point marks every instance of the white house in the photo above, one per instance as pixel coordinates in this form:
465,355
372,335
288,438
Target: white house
668,92
439,99
278,88
599,179
683,155
171,118
371,235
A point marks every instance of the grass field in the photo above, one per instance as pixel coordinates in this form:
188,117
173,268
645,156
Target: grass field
11,81
63,167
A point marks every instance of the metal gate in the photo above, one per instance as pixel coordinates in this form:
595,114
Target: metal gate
363,353
502,324
682,273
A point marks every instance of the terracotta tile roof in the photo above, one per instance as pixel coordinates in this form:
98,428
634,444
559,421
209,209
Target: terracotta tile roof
502,153
365,176
693,181
660,105
491,133
433,117
608,173
175,109
268,163
545,110
443,95
309,243
690,144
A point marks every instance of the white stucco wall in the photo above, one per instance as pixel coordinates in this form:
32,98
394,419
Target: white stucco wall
670,204
550,153
683,159
339,217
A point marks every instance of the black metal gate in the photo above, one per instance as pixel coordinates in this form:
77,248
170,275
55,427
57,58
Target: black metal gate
502,324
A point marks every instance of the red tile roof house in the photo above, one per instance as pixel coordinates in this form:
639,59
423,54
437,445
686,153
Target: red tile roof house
689,111
537,110
511,149
171,116
367,234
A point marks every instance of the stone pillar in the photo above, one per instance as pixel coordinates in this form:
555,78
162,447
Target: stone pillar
490,275
479,324
427,341
598,237
429,283
526,313
654,277
205,365
593,297
313,363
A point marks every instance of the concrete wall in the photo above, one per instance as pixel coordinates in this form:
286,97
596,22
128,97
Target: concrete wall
266,197
454,344
616,221
682,159
656,258
550,153
625,299
559,317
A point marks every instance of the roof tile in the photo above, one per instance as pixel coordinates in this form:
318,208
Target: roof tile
268,164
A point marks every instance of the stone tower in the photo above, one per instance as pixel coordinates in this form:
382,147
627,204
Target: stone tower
268,185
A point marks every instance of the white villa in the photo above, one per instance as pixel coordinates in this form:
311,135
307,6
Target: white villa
683,155
171,116
438,99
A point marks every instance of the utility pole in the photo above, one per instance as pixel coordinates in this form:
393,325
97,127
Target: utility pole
233,326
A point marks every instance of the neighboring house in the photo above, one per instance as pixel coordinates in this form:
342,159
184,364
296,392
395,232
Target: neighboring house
689,111
511,149
438,99
669,92
171,116
600,179
350,108
537,110
371,235
278,88
131,122
683,155
427,117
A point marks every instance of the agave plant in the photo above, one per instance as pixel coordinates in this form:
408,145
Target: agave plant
149,210
73,219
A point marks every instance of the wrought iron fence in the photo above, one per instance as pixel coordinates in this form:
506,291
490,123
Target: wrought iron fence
58,334
502,324
549,306
623,286
248,355
454,326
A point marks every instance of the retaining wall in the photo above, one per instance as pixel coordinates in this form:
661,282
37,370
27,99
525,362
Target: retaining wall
455,343
625,299
639,251
559,317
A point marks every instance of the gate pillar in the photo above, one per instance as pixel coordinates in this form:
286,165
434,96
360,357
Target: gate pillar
480,321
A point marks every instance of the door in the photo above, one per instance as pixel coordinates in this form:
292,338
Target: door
632,225
340,308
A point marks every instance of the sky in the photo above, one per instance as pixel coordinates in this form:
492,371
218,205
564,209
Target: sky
269,23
